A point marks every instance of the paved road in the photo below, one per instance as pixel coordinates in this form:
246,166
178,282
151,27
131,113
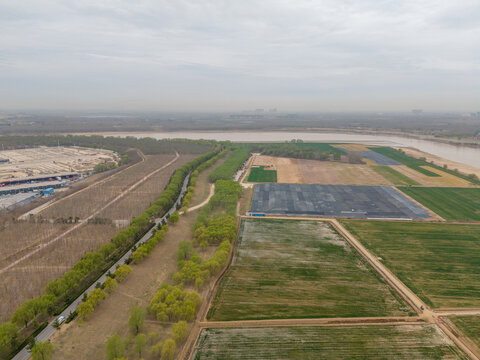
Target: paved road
46,333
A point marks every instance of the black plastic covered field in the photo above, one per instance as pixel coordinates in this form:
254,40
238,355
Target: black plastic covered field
361,202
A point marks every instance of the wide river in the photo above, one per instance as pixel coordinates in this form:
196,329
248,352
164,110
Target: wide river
461,154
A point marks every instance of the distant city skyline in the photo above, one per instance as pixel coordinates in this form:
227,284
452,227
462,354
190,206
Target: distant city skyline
230,56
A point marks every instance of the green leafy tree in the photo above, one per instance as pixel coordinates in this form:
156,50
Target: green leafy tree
115,347
23,314
122,272
168,349
152,337
137,318
95,296
174,218
139,254
156,350
42,350
110,284
84,310
185,250
180,332
140,344
8,336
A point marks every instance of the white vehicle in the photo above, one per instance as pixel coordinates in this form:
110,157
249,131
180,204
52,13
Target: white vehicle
60,320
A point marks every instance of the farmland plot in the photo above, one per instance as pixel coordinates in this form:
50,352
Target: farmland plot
299,269
439,262
84,203
469,325
394,176
259,174
450,203
393,342
29,278
140,198
19,237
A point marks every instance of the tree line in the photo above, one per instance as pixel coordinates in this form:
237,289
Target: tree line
147,145
297,151
227,170
215,225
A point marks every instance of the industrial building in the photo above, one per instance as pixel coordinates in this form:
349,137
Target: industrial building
23,188
40,178
10,202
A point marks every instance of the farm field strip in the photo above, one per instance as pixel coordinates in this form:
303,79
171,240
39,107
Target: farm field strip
350,321
394,176
357,342
462,204
336,173
438,262
469,326
277,261
424,180
260,174
415,164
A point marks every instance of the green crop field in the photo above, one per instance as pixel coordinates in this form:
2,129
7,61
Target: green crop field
259,174
388,342
469,325
394,176
450,203
439,262
299,269
415,164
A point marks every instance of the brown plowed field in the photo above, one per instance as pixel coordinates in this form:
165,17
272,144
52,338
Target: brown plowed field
336,173
300,171
444,179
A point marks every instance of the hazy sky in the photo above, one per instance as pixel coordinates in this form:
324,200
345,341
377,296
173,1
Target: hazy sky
328,55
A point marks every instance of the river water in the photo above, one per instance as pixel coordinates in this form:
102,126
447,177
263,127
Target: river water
462,154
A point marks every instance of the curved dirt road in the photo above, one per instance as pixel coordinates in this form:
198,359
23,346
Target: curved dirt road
203,203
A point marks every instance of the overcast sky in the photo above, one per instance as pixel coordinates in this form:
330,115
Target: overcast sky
332,55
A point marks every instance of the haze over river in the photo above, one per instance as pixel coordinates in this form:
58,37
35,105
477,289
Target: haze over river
461,154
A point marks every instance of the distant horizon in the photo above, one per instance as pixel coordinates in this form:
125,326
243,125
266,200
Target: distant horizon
133,112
